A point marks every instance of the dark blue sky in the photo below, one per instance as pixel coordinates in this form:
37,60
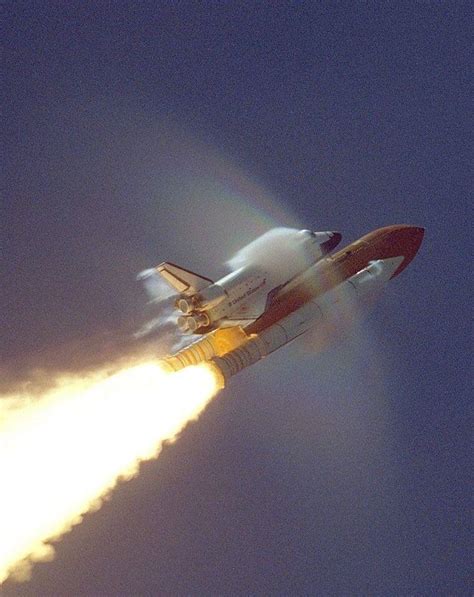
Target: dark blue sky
139,132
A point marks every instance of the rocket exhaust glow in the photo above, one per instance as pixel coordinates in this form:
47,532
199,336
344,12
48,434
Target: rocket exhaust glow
62,453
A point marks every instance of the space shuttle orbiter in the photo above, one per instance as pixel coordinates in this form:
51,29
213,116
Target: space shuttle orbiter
243,295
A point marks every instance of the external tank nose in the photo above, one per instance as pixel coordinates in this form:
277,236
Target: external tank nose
408,239
414,239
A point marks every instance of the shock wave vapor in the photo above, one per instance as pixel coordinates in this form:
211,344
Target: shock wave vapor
295,284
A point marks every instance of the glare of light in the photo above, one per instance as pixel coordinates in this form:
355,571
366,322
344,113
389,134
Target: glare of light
62,452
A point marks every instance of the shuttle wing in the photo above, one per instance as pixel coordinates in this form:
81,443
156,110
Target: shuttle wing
249,310
254,308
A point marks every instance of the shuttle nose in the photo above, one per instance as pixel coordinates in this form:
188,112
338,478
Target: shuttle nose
332,242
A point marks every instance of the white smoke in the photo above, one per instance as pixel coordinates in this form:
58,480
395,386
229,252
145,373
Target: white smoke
280,252
162,302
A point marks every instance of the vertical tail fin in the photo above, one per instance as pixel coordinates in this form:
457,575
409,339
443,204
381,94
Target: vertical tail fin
183,280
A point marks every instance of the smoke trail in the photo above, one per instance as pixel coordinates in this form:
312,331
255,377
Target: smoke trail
63,451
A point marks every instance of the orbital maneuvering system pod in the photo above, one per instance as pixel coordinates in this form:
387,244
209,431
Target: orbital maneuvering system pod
256,309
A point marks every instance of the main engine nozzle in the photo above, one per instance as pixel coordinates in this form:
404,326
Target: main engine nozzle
191,323
185,305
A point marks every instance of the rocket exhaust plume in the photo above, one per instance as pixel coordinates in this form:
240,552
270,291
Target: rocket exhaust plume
63,451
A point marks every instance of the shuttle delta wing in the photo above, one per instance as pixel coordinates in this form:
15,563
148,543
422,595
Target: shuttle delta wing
183,280
249,310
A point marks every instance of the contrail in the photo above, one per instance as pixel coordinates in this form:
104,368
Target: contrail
63,451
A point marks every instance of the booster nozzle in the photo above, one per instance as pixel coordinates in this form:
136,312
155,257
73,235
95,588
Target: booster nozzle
168,365
214,344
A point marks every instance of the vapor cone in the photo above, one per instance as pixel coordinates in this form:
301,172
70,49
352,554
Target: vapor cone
62,452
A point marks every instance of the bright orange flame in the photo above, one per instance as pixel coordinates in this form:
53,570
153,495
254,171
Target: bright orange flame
61,453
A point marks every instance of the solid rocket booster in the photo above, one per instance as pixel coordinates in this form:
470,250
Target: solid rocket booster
365,283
